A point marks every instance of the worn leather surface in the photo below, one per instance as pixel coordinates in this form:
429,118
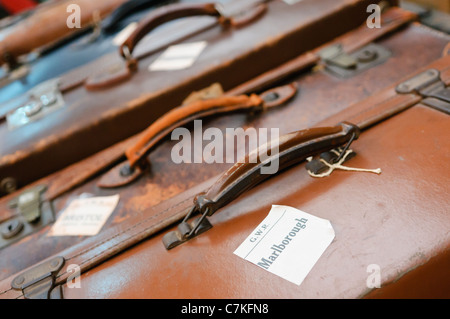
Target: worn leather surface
397,220
391,20
65,137
166,180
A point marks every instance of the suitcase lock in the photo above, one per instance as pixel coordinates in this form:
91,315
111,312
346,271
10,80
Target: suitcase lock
188,230
430,86
42,100
345,65
33,215
39,282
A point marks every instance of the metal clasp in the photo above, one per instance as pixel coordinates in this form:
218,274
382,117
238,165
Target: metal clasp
29,203
186,231
32,216
345,65
39,282
43,99
429,85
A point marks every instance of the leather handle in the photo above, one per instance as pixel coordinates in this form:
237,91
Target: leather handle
186,114
203,108
163,15
126,9
136,155
293,148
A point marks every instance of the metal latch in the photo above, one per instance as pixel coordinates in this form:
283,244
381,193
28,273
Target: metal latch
29,203
42,100
342,64
430,86
39,282
32,215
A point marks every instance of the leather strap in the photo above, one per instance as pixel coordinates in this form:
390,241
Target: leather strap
112,241
387,102
392,19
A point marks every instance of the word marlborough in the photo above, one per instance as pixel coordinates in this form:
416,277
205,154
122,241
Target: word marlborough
278,249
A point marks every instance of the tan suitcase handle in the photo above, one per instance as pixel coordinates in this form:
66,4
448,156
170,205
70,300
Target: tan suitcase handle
182,10
200,109
292,149
137,154
186,114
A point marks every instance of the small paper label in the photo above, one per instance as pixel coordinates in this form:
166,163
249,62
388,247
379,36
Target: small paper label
287,243
178,57
120,38
84,217
290,2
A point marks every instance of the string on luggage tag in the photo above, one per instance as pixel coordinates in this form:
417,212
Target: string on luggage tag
339,166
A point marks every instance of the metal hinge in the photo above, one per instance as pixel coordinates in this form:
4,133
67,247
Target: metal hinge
345,65
430,86
42,100
39,282
32,215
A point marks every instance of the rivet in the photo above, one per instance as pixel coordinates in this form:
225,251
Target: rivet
20,280
11,229
126,170
55,264
8,185
367,55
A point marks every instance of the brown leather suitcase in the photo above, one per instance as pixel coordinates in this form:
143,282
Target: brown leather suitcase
140,200
106,101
